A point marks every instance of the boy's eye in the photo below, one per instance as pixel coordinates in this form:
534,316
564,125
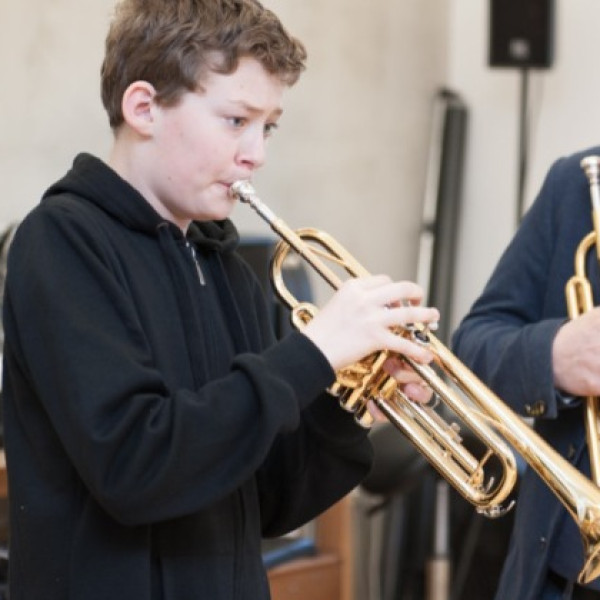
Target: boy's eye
270,129
241,122
237,121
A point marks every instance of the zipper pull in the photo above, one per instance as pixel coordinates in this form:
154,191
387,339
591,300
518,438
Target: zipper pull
195,259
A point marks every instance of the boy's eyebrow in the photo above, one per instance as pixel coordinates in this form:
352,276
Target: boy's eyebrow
255,109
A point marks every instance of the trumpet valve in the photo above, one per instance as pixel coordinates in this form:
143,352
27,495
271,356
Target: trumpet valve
496,511
302,314
364,417
454,430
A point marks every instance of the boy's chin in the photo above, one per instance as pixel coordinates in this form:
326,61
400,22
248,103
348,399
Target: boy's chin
216,215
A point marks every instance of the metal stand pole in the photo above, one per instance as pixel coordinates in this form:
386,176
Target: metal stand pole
438,571
523,143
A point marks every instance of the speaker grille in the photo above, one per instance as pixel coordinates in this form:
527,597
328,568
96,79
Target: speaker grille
521,33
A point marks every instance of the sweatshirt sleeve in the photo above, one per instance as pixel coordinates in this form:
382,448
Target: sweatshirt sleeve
311,470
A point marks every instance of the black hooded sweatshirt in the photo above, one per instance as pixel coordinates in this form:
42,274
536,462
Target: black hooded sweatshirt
154,429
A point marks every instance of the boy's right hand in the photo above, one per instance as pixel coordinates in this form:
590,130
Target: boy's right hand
359,318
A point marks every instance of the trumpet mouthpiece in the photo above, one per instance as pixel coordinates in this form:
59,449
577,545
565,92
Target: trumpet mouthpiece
242,190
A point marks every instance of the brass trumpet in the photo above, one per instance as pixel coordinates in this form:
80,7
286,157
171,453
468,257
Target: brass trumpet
468,398
580,300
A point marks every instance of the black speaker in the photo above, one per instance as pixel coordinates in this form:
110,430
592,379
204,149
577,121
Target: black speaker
522,33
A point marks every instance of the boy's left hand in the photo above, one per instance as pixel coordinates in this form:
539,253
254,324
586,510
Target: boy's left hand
409,383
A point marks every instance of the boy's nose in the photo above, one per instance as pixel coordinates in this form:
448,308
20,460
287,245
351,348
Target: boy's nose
252,151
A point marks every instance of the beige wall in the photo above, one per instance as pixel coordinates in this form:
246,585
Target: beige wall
50,54
349,156
564,117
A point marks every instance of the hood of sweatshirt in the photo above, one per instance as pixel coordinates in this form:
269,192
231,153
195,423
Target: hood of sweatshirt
95,181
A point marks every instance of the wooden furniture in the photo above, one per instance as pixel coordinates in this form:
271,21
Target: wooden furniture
328,575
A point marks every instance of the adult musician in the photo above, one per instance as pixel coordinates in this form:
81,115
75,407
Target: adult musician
518,339
154,430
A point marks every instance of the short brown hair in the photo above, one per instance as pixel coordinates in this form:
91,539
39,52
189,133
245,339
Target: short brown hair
170,44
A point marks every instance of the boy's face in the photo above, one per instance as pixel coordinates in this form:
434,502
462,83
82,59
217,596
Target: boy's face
210,139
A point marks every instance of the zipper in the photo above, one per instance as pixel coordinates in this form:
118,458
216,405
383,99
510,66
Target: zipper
196,262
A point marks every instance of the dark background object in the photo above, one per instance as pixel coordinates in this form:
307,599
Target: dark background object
521,33
257,252
442,205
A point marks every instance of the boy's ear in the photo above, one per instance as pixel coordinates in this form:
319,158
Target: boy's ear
138,106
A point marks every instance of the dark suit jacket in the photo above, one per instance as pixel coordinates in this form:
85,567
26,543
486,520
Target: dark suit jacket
506,339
